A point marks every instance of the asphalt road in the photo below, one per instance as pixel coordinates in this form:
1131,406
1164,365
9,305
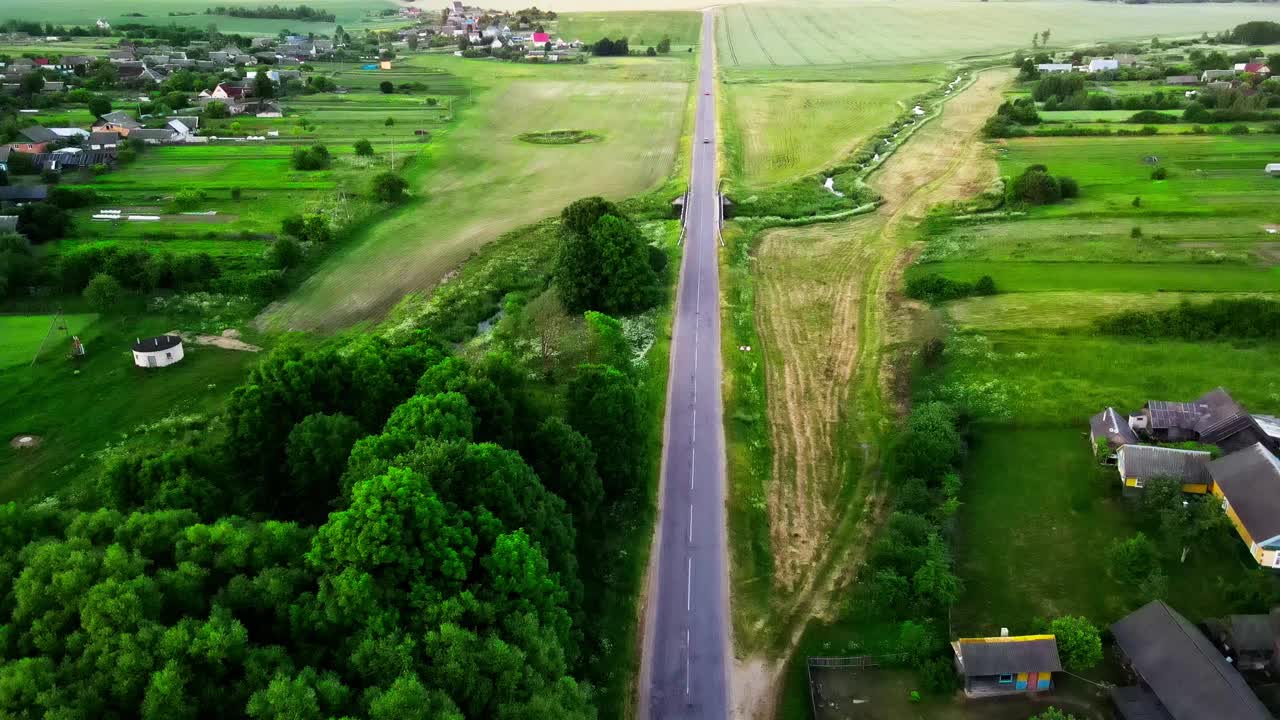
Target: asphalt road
686,644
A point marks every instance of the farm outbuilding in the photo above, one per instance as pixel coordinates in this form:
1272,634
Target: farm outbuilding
1273,169
160,351
1005,665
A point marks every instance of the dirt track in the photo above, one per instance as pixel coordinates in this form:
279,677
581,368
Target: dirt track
828,314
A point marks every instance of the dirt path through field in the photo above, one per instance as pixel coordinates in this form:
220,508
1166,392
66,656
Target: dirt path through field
828,315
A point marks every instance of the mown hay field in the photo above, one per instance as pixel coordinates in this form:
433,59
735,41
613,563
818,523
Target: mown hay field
481,180
885,32
790,129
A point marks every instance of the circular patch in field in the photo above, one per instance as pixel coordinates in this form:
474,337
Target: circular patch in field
25,442
560,137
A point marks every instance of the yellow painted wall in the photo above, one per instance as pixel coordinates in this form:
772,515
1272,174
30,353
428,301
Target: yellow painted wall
1131,482
1258,554
1195,488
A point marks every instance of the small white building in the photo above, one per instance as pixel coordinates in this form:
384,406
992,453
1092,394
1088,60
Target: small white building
1273,169
157,352
1103,65
1055,67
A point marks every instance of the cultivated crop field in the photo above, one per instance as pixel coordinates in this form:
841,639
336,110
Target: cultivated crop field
884,32
482,180
790,129
641,29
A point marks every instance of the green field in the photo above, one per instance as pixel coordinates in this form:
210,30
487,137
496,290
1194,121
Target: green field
1038,514
351,14
79,409
22,335
480,180
791,129
641,29
883,32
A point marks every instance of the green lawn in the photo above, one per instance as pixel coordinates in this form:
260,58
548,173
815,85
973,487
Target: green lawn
790,129
22,335
78,409
1037,517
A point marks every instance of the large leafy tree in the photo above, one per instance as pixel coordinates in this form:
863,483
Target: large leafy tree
605,407
1079,642
603,262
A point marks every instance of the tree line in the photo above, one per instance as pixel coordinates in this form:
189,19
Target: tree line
305,13
1242,318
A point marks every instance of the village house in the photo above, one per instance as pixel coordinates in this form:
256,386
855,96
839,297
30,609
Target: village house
1055,67
1179,673
1253,68
1182,80
1215,418
1248,484
104,140
1109,426
1139,464
229,91
1098,65
118,121
1248,641
1005,665
1212,75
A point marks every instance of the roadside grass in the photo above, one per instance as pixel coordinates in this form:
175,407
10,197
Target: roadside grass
641,29
876,33
480,181
80,409
786,130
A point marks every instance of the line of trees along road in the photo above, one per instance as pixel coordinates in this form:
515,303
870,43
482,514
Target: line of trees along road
372,529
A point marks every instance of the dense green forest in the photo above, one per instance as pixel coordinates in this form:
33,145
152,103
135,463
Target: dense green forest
374,527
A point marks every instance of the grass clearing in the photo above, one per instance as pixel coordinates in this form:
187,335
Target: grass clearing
80,409
479,181
790,129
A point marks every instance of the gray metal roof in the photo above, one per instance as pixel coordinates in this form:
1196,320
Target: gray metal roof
1149,461
1250,480
24,192
1251,633
1003,656
1113,426
1181,667
1138,703
1223,417
38,134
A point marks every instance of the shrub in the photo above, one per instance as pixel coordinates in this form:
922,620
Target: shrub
51,176
1069,187
1238,130
103,292
216,110
364,148
389,187
1034,187
99,105
1079,642
936,288
386,87
315,157
1151,117
1159,173
1245,318
285,253
389,122
187,200
235,194
71,198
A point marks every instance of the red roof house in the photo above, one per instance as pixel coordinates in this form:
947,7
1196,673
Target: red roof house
42,61
541,38
228,91
1254,68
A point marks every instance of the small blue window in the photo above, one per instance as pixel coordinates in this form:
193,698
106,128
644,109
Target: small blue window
1006,679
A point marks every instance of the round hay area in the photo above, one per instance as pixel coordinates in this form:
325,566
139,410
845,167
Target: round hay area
25,441
560,137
